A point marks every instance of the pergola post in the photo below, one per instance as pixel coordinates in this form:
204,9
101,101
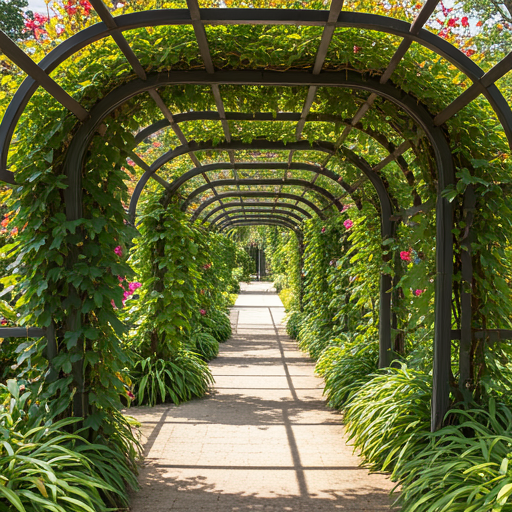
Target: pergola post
443,297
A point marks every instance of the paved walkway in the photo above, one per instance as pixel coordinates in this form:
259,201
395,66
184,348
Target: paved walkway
263,440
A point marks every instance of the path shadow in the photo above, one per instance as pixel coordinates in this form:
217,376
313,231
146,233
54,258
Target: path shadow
162,492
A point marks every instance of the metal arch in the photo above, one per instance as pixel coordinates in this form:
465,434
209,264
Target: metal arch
254,193
247,209
178,182
263,181
250,16
255,217
257,144
258,204
444,261
263,222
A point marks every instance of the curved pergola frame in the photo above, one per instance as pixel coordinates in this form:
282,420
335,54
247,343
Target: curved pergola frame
377,86
245,211
260,204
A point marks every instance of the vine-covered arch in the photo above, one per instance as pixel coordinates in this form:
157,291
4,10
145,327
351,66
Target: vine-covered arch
367,88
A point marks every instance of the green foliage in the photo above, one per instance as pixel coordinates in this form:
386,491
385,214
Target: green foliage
389,417
216,323
464,467
11,18
206,345
346,369
293,324
43,467
179,379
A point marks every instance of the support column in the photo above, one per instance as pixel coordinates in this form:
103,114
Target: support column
385,321
466,335
443,312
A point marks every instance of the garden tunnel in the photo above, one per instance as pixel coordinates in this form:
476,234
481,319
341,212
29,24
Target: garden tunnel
250,133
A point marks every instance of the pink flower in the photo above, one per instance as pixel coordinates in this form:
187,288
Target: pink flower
134,286
119,250
202,311
405,255
418,292
348,224
323,230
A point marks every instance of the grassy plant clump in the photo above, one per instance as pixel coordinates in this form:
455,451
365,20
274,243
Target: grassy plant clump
465,467
388,419
293,324
345,370
205,345
44,467
314,336
217,323
179,379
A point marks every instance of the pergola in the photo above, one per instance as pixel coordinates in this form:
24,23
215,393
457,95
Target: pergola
284,200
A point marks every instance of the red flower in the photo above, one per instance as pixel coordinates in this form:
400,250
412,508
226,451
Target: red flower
157,144
5,222
469,52
480,23
405,255
465,21
452,22
3,321
357,49
323,230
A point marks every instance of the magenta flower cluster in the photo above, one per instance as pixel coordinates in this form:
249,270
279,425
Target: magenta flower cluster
348,224
119,251
202,311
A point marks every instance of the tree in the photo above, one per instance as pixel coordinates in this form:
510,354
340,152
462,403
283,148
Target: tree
11,18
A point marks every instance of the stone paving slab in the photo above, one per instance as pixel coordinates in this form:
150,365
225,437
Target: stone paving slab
262,440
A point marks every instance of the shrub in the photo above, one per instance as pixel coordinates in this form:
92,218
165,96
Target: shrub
315,336
217,323
184,377
43,467
205,345
293,324
389,417
465,467
346,369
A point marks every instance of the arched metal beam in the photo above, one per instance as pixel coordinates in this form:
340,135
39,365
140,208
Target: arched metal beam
274,204
232,213
254,193
264,181
251,16
283,116
233,145
294,166
263,222
255,218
